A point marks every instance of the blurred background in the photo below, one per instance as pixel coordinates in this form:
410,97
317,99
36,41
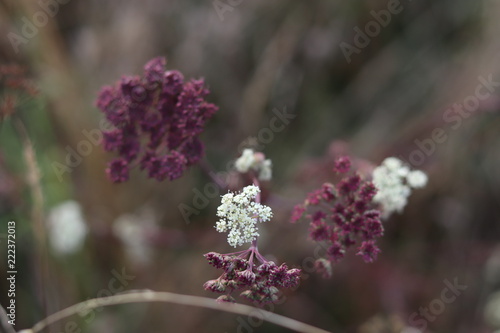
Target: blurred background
413,79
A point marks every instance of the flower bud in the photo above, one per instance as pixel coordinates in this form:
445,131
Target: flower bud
214,286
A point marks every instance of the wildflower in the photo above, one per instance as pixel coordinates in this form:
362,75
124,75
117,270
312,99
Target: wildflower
394,182
117,170
342,215
342,164
324,267
239,215
250,160
258,279
157,118
417,179
369,251
297,213
245,161
66,228
260,282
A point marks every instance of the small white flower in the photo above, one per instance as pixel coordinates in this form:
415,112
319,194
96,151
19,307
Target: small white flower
66,228
392,163
239,215
245,161
133,230
266,171
394,181
255,161
417,179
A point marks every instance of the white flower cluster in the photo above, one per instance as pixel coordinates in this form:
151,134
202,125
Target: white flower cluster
66,228
256,161
394,182
239,215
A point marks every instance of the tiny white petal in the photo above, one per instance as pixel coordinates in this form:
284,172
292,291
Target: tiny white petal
417,179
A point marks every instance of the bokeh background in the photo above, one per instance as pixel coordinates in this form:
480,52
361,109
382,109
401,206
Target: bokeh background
258,56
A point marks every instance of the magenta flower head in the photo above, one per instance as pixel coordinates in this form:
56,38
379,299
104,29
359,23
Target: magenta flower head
258,283
341,216
157,121
247,272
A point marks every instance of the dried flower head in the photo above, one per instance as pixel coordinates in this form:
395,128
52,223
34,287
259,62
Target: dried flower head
342,215
259,283
157,118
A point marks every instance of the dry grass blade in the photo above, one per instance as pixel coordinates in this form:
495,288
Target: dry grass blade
148,296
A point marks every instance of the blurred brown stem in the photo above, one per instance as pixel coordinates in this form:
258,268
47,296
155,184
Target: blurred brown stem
147,296
33,180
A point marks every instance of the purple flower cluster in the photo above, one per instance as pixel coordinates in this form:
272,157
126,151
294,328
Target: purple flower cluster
259,283
157,120
343,215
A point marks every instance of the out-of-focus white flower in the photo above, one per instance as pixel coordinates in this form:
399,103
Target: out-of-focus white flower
266,170
66,228
492,310
255,161
132,230
245,161
239,214
394,182
392,163
417,179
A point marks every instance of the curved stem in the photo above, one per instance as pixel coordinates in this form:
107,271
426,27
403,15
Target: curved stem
261,257
148,296
237,253
250,260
